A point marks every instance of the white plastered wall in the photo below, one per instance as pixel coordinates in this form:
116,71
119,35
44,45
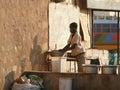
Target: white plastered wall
60,16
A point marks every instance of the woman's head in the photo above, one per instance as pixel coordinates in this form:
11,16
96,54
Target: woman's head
73,27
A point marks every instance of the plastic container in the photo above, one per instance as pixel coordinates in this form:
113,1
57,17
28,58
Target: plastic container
65,84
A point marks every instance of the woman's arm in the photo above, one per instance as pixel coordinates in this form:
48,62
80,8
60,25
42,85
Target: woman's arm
68,47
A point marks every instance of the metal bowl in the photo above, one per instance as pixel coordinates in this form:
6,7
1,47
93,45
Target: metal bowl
108,69
56,53
90,68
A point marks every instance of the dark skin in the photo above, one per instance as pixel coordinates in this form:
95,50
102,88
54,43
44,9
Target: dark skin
73,30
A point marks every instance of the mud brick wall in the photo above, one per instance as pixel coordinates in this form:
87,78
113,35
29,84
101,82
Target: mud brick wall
23,38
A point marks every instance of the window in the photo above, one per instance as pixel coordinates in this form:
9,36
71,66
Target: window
109,17
95,17
101,17
106,31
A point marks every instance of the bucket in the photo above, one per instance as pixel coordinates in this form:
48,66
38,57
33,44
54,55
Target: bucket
65,84
58,64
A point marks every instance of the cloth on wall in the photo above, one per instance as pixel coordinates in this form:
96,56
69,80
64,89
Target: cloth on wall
85,17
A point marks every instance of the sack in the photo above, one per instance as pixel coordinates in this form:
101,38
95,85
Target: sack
25,87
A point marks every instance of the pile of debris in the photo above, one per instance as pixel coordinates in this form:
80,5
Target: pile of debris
32,82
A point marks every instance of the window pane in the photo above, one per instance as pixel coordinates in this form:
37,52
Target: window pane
105,27
97,27
109,17
113,27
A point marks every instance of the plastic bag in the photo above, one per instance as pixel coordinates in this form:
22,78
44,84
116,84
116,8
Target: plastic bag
25,87
36,80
